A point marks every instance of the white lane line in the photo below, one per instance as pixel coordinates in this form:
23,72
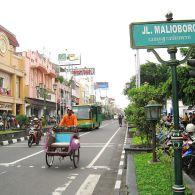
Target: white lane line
102,150
100,167
103,125
3,172
117,184
88,185
84,134
14,162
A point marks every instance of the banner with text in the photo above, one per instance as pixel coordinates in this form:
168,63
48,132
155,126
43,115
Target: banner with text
83,71
101,85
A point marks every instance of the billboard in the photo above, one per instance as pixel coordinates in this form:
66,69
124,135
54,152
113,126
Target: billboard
83,71
69,58
101,85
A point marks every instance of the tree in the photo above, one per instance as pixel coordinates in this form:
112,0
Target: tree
135,112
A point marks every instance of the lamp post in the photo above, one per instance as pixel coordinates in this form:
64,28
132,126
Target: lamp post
55,89
177,140
153,112
42,92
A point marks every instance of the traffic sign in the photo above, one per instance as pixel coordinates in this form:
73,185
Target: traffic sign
159,34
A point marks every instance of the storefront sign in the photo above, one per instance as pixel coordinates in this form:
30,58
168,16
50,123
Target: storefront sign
5,106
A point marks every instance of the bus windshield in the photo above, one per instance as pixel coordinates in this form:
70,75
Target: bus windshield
82,112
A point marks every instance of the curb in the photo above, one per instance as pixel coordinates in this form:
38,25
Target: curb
13,141
120,170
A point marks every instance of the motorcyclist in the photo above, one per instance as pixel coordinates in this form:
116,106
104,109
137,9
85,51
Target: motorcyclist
38,127
190,129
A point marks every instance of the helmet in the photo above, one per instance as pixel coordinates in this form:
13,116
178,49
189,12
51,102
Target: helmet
35,119
190,128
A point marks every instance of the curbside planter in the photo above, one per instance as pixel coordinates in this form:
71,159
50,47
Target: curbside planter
18,134
14,135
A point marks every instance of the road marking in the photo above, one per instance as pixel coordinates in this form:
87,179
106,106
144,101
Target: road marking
14,162
88,185
59,190
117,184
3,172
120,171
84,134
101,167
103,126
102,150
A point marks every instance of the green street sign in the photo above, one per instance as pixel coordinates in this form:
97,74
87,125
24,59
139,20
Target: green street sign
160,34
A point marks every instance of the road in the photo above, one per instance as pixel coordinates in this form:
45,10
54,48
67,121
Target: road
23,170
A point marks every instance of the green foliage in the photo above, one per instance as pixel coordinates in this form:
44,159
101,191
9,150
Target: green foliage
135,112
60,79
186,86
22,120
154,74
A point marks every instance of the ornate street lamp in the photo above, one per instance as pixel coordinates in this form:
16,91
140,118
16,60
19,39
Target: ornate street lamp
42,92
55,89
153,113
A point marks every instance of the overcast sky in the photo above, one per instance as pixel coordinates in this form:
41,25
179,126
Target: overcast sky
98,29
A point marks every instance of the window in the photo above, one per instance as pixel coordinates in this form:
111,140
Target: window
1,82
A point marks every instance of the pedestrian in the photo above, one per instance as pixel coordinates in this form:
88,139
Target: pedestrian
185,120
120,119
193,118
1,123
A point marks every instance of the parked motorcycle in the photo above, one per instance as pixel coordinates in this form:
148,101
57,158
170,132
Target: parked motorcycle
189,158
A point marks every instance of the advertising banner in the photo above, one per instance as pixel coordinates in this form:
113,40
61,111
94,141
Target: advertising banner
69,58
83,71
101,85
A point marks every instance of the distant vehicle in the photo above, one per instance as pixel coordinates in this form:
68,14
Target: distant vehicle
88,116
115,117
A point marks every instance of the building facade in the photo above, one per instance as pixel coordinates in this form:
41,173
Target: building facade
11,75
39,82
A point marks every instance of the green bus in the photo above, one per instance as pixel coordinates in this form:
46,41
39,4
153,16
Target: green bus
89,116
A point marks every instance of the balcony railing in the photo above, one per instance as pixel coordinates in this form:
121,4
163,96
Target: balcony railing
4,91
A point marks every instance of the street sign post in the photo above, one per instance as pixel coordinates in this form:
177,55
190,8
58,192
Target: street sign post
160,34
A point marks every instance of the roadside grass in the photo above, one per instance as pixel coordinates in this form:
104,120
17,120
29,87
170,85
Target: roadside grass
153,178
